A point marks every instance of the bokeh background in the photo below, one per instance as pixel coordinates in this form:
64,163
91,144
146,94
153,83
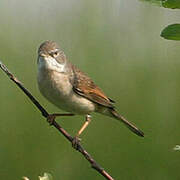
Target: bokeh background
118,44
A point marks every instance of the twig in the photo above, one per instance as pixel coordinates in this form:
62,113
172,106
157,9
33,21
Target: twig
93,163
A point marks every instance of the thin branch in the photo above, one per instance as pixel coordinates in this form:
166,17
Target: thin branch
93,163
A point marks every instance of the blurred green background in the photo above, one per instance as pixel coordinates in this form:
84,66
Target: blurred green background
118,44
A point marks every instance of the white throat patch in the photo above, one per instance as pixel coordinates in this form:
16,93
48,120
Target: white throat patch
50,63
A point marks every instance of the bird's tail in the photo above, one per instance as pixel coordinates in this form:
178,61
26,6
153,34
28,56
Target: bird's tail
130,126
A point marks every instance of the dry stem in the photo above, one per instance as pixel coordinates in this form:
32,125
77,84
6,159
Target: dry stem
93,163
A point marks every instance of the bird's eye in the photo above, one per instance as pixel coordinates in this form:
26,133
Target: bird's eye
55,53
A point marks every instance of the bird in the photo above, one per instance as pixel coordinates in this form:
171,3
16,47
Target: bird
72,90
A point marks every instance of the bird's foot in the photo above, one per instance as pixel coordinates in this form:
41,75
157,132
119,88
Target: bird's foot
51,118
76,142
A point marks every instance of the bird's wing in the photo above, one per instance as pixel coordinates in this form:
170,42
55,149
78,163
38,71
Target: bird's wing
85,87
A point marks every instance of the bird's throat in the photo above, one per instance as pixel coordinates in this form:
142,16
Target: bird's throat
50,63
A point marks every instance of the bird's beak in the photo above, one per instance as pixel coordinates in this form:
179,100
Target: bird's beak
42,54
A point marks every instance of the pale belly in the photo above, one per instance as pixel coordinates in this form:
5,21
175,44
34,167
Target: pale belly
58,90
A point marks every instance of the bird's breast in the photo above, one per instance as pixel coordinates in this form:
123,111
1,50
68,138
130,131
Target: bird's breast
56,87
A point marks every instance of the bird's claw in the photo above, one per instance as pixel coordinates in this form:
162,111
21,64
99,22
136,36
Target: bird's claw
76,142
51,119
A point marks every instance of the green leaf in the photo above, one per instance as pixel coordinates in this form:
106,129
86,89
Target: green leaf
25,178
173,4
171,32
46,176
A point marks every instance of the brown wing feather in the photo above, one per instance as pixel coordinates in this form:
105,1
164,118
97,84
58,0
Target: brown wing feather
85,87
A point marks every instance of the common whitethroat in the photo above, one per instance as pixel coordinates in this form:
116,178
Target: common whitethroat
71,90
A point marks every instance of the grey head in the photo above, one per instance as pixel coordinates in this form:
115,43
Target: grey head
50,49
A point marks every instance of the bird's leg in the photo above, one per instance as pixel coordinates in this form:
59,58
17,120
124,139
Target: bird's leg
51,118
76,139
